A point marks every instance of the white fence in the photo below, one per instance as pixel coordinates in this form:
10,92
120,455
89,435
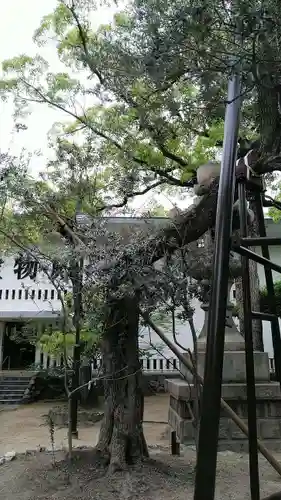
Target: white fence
149,364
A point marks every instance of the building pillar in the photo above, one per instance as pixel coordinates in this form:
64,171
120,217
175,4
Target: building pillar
38,348
37,355
2,333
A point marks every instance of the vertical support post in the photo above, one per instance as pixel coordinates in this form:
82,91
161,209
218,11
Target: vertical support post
250,367
175,445
77,276
2,333
37,347
37,355
210,411
75,385
275,328
45,361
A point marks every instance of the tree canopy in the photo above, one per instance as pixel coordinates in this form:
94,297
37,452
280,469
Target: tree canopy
148,90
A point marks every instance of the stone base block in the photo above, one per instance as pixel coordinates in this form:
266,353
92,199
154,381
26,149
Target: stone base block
230,436
234,366
181,389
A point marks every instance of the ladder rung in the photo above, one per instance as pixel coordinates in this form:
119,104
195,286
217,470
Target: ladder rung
260,241
263,316
256,257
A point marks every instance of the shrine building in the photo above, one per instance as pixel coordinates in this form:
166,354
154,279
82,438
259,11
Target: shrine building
27,296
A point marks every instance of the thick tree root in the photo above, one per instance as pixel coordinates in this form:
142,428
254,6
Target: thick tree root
123,451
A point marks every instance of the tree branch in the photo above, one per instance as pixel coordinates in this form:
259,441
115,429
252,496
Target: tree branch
184,229
84,121
130,195
83,38
94,70
156,136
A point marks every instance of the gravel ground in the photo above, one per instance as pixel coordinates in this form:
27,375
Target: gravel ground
24,428
34,477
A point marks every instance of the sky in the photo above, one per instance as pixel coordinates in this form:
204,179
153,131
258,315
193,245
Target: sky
18,21
22,18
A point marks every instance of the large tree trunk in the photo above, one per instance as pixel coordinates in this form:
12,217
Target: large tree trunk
121,438
255,294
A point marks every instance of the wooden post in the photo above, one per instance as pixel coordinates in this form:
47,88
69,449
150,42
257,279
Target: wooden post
175,445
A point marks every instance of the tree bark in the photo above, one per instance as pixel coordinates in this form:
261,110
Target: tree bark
179,232
121,440
255,294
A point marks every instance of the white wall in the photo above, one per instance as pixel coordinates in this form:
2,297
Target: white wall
183,332
17,295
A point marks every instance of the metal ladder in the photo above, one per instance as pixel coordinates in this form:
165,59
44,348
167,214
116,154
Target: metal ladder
244,185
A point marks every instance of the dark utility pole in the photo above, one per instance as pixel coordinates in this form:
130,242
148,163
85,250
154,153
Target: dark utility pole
210,411
76,278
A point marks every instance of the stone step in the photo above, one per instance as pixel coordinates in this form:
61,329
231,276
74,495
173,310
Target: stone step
11,395
11,383
14,389
10,402
15,383
16,393
18,380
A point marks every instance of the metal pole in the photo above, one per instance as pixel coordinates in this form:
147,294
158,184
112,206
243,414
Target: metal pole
260,241
77,302
76,278
275,328
250,368
210,416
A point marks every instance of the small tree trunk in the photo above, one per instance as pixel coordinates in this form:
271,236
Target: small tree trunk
88,395
255,294
121,438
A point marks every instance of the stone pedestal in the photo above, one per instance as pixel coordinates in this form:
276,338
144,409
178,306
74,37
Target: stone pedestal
234,392
234,364
234,367
230,437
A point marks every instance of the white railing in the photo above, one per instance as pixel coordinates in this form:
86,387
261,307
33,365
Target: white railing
45,361
271,365
149,364
159,364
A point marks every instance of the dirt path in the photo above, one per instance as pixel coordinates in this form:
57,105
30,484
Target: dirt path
26,429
